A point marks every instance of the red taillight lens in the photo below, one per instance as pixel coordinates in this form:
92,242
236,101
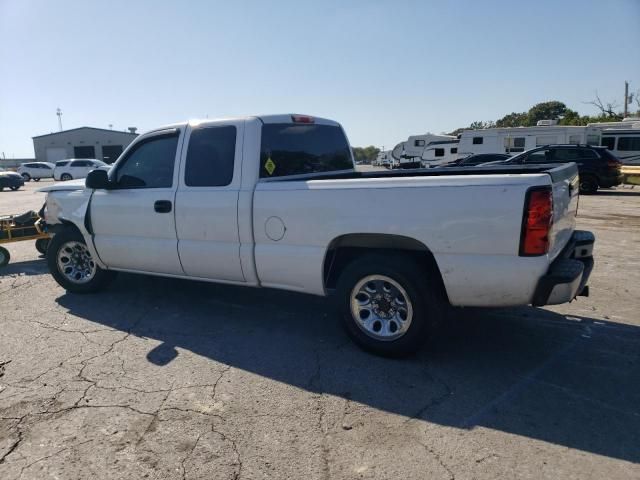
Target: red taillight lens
538,218
302,119
614,164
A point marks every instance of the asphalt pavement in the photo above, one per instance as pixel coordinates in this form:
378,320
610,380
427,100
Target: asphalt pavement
162,379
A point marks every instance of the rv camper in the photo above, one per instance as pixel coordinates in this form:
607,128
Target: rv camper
622,139
513,140
426,151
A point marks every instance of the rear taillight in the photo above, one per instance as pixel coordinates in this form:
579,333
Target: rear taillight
537,221
614,164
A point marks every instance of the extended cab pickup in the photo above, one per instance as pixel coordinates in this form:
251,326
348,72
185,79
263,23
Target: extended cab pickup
275,201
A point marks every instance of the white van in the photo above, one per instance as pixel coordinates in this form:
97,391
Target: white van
513,140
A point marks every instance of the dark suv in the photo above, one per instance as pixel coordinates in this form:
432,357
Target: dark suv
597,166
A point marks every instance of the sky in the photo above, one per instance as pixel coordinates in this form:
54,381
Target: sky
384,69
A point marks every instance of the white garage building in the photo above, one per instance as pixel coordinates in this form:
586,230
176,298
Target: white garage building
83,142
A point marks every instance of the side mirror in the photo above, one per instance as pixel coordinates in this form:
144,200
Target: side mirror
98,179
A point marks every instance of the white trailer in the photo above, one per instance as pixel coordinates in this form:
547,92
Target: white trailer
426,150
512,140
622,139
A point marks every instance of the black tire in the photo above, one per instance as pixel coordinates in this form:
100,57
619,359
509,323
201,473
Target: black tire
60,241
17,187
36,179
26,177
588,185
65,177
423,298
5,256
42,244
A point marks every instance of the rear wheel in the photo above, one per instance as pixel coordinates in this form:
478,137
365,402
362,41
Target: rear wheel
26,177
389,306
71,264
588,184
36,179
14,188
4,257
65,177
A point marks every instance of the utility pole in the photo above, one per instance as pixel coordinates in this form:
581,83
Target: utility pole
626,99
59,114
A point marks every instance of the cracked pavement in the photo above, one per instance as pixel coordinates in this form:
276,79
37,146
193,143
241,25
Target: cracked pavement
165,379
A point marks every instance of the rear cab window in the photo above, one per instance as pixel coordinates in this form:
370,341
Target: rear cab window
210,157
296,149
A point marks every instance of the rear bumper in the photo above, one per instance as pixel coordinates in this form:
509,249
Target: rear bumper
569,273
610,181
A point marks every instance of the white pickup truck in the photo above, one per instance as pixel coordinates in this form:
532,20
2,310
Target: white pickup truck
275,201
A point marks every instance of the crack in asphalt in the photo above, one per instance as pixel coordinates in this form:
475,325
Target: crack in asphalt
438,459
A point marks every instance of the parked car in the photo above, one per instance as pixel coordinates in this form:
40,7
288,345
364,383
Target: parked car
10,180
36,170
473,160
76,168
275,201
597,166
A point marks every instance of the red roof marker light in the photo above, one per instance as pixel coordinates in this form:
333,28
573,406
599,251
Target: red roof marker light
302,119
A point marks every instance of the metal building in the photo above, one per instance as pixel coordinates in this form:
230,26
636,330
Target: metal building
83,142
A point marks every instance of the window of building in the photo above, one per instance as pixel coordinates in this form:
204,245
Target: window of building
478,140
110,153
454,150
210,157
629,144
418,143
150,164
292,149
439,152
514,144
574,139
608,142
86,151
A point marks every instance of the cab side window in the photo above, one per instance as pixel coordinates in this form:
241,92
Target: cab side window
150,164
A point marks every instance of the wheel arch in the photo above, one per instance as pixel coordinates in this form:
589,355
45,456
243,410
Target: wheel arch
344,249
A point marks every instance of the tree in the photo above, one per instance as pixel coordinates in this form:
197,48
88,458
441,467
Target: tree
552,110
513,120
366,154
606,109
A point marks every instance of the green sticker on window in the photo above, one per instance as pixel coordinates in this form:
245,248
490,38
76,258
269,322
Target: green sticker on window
269,166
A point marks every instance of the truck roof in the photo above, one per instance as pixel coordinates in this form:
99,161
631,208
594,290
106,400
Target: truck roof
272,118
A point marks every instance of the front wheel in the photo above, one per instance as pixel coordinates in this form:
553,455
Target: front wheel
389,306
26,177
65,176
14,188
36,179
72,266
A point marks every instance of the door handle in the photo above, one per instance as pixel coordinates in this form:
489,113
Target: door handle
162,206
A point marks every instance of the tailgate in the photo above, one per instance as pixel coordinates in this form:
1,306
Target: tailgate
564,179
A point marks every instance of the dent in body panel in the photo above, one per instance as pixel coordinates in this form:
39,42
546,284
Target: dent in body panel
71,206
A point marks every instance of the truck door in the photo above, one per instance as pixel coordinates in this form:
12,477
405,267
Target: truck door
207,202
133,222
